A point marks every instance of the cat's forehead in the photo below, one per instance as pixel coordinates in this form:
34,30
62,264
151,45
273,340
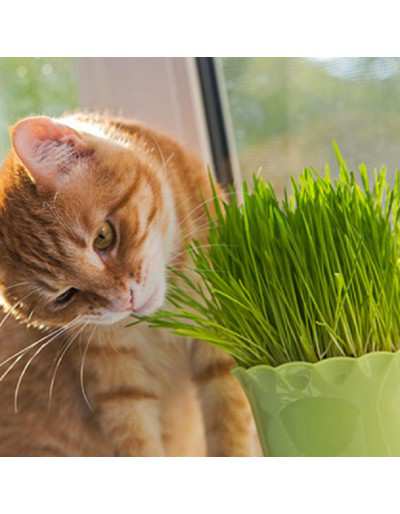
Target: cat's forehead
101,131
56,229
66,226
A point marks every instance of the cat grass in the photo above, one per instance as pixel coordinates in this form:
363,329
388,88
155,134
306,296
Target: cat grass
313,276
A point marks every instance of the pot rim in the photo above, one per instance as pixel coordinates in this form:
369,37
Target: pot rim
318,364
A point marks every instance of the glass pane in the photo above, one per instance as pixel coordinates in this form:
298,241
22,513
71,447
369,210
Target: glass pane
287,111
34,86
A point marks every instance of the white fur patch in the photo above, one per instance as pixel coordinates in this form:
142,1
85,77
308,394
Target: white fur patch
95,129
93,259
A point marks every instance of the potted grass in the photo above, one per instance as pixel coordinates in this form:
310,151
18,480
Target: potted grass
304,293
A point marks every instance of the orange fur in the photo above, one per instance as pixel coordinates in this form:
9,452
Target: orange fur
104,389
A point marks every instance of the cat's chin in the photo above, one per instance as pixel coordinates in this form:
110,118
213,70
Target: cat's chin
153,303
149,306
110,318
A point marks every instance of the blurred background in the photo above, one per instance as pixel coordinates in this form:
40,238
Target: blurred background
286,112
283,113
34,86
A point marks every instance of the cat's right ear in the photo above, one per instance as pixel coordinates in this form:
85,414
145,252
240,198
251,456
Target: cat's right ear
50,151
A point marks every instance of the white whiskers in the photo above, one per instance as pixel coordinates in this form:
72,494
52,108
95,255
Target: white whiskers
60,358
10,310
82,369
54,335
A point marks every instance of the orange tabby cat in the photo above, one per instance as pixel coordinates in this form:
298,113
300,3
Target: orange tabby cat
92,211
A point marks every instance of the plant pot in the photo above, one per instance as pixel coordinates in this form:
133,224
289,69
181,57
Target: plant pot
341,406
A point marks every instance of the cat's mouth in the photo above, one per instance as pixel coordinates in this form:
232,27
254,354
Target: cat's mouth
153,303
149,306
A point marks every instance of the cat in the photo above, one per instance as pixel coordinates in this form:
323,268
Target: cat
92,211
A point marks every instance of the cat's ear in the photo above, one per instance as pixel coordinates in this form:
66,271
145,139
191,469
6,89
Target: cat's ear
49,150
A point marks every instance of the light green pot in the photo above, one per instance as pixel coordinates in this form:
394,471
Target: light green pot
341,406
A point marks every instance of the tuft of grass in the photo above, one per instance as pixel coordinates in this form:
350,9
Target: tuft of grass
316,275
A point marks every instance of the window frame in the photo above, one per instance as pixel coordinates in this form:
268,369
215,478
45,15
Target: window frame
182,96
216,113
161,92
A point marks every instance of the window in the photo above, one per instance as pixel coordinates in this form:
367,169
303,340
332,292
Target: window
162,92
277,114
34,86
286,112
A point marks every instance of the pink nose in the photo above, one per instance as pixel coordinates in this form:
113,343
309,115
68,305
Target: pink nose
124,303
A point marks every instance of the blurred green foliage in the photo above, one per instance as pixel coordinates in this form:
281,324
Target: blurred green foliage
274,95
287,111
34,86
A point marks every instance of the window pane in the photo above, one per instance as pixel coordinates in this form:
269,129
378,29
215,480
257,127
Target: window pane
34,86
287,111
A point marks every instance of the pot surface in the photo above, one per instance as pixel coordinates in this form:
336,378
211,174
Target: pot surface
342,406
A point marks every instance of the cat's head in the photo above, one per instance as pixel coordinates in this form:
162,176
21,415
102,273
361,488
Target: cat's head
86,225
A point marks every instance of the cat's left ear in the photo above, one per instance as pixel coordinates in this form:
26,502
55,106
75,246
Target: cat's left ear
49,150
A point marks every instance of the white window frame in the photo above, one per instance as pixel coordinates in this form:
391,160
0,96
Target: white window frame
163,93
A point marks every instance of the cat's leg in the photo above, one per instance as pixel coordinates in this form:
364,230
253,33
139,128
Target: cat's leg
227,416
131,419
183,431
126,400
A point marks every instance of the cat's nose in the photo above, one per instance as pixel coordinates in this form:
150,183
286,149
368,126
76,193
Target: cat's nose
124,302
130,300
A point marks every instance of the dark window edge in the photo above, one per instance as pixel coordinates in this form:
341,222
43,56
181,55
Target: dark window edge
215,120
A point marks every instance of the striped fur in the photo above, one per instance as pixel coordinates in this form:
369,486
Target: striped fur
80,382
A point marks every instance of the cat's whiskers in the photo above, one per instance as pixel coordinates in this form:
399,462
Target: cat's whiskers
22,352
82,369
202,205
10,310
164,161
64,351
28,320
63,347
184,251
18,284
195,229
187,237
195,270
67,327
111,344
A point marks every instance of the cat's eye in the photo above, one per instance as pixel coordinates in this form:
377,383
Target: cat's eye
66,296
105,237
